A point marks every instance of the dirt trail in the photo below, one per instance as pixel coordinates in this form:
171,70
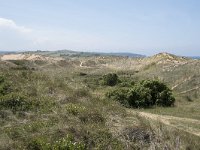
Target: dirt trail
181,82
189,125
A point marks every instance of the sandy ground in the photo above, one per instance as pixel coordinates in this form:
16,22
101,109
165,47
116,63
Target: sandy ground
31,57
117,124
176,122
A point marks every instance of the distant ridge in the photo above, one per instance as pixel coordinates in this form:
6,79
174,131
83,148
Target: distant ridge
71,53
119,54
195,57
7,52
125,54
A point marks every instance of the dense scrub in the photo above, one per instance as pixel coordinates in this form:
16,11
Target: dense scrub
144,94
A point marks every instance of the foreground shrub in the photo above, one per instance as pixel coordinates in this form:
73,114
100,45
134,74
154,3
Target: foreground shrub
144,94
15,102
4,86
67,143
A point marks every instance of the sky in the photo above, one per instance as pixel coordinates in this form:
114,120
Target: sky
138,26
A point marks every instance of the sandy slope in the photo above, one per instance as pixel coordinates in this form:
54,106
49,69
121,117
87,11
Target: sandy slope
31,57
187,124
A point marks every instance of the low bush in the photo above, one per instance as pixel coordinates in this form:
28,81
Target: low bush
161,94
146,93
139,96
15,102
67,143
119,94
82,74
110,79
4,86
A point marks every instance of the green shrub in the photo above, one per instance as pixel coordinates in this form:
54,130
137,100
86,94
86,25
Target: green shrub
161,94
67,143
146,93
4,86
119,94
110,79
82,74
15,102
139,96
37,144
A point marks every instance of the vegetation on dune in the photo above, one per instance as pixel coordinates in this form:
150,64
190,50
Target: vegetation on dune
46,105
144,94
61,144
38,110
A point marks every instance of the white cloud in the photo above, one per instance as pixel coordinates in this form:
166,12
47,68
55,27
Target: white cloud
10,24
14,36
17,37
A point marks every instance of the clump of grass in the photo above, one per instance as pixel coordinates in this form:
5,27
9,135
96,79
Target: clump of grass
60,144
168,137
79,93
75,109
91,117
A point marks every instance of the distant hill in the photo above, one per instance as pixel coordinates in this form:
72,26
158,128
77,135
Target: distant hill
70,53
123,54
180,73
195,57
7,52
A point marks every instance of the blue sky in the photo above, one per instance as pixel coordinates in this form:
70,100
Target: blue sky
138,26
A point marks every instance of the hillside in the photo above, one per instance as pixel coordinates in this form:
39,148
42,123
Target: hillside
48,101
181,73
70,53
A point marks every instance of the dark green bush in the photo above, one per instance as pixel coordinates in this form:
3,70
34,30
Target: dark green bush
139,96
37,144
82,74
144,94
15,102
110,79
119,94
161,94
4,86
